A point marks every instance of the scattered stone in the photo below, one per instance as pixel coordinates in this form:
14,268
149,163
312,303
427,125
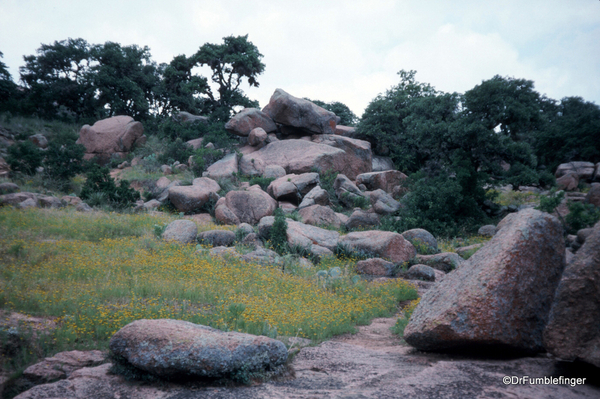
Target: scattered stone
8,188
28,203
48,201
568,182
248,119
572,331
287,207
346,191
180,168
319,215
385,180
375,267
223,168
203,219
358,152
166,170
183,231
381,164
62,365
217,238
489,230
424,272
500,298
115,135
320,252
293,187
424,242
583,170
257,137
71,200
383,203
247,206
123,165
189,198
195,143
273,172
39,140
83,207
362,219
151,205
446,261
382,244
295,156
346,131
592,197
299,113
316,196
252,240
16,198
306,236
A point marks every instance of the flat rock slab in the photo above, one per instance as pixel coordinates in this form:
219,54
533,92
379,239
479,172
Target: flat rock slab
370,364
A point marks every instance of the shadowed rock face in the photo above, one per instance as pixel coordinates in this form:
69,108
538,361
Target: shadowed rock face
501,296
180,349
573,331
247,120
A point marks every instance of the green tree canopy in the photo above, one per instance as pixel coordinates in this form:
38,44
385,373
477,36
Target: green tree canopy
8,89
347,117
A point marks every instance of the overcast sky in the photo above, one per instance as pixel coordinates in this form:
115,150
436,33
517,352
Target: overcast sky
346,51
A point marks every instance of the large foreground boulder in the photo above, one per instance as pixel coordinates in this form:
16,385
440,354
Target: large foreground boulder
299,113
500,298
245,206
190,198
180,349
573,330
295,156
381,244
115,135
249,119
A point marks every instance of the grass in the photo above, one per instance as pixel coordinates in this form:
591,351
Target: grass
450,244
97,272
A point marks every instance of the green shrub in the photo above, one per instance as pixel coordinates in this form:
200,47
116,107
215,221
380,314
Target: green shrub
202,158
24,157
263,182
279,232
548,203
581,216
177,150
99,181
64,158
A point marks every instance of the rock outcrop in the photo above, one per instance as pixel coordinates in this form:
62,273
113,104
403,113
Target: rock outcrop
248,119
245,206
500,298
115,135
572,332
190,198
381,244
299,113
183,231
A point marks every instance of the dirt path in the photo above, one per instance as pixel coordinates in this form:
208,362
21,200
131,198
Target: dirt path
376,336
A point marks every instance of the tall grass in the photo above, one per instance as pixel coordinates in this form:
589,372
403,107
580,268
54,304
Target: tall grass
96,273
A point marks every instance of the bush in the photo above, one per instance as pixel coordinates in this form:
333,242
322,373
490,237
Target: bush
24,157
100,184
279,232
581,216
64,158
202,158
176,151
438,205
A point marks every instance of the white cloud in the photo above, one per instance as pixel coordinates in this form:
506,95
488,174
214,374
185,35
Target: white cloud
345,51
